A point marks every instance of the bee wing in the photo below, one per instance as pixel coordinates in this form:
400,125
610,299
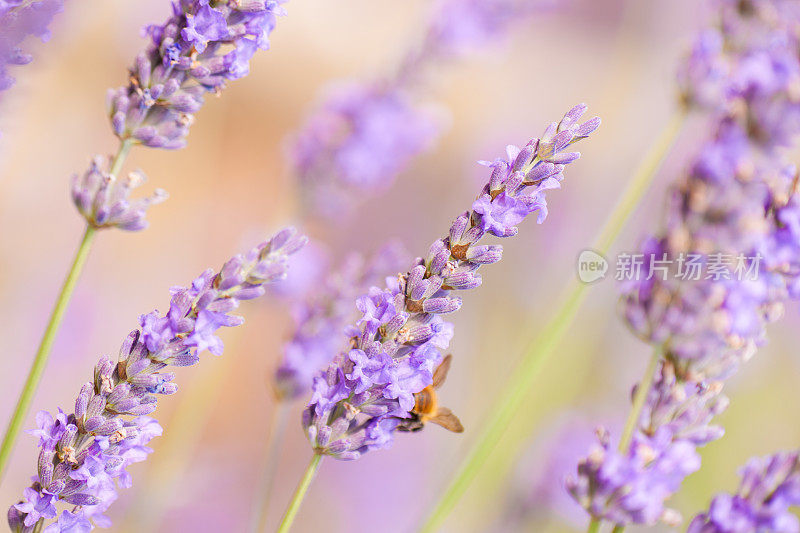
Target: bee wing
445,418
440,374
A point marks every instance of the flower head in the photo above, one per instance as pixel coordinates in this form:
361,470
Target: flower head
103,200
368,391
197,50
84,455
769,489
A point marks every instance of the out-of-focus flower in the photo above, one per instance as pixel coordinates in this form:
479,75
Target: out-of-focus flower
731,218
321,318
197,50
83,453
103,200
18,20
770,487
365,133
538,495
368,391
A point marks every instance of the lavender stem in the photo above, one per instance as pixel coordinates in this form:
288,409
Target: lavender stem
638,401
49,337
277,430
594,526
43,353
300,493
543,346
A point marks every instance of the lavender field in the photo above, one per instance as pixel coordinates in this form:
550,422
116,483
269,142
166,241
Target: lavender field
358,266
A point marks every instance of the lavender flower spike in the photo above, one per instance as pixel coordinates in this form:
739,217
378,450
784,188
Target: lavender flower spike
84,452
770,487
733,216
102,199
18,20
368,391
201,46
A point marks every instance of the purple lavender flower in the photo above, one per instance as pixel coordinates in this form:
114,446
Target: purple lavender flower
770,487
747,64
197,50
368,391
736,204
359,138
320,319
103,201
84,453
539,495
18,20
364,134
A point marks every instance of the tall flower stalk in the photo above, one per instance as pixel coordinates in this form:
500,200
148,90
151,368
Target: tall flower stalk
370,391
197,50
733,217
84,454
544,345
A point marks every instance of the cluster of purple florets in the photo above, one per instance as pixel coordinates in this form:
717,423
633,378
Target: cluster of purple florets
83,453
321,317
202,45
18,20
769,489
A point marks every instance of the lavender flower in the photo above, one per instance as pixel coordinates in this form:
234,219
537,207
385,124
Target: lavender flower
102,199
201,46
368,391
747,64
770,487
18,20
320,320
360,137
538,496
364,134
736,208
83,453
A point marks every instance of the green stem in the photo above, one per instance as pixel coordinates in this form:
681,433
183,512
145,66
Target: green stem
542,347
300,493
49,337
271,451
594,526
42,354
638,401
119,159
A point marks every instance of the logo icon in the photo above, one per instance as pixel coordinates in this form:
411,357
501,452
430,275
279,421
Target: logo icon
591,266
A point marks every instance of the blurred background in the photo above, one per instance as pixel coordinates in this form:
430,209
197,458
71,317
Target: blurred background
231,187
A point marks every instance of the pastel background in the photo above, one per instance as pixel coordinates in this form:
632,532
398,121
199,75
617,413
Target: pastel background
231,186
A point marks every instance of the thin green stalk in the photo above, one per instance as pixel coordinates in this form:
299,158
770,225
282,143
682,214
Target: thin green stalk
300,493
594,526
49,337
43,353
543,346
272,452
638,401
636,410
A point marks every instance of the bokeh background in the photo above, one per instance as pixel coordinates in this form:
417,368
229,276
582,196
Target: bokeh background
231,186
